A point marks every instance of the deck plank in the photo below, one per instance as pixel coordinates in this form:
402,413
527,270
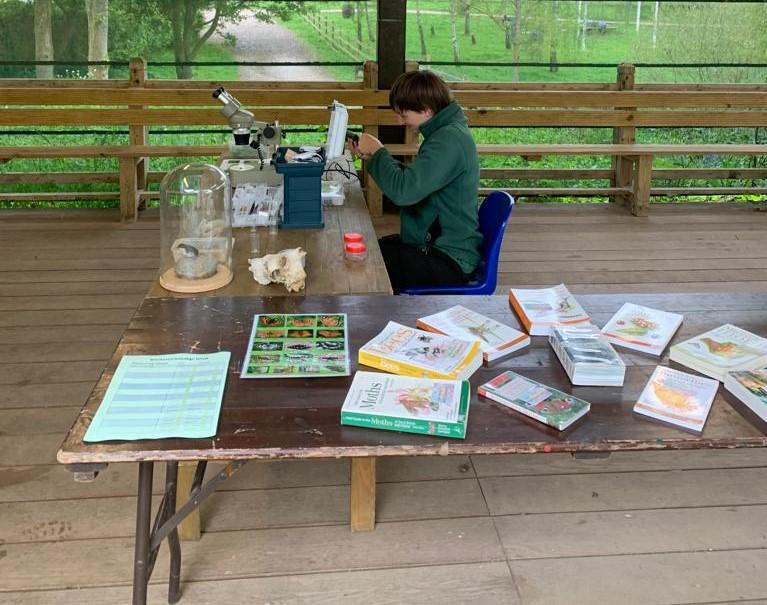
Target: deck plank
632,528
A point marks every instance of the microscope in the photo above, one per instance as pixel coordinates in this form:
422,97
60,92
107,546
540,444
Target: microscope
253,145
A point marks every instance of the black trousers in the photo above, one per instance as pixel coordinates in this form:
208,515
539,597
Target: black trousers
409,266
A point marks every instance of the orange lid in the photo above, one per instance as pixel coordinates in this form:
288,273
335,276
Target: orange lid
352,237
356,247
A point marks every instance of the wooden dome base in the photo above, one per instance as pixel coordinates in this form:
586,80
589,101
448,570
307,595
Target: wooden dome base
170,281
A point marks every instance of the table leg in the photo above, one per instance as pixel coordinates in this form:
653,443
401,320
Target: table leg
143,522
363,494
174,577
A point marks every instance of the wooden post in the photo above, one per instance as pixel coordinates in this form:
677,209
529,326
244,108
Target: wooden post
640,202
373,194
411,137
137,133
129,196
189,528
622,167
362,504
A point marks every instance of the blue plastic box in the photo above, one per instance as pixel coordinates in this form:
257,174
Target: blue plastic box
302,199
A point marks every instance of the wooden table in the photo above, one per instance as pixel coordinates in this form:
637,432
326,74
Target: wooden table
299,418
326,268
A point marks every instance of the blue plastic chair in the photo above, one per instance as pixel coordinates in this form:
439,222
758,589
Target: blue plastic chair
493,215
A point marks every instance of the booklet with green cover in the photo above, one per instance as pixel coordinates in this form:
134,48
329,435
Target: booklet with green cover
297,345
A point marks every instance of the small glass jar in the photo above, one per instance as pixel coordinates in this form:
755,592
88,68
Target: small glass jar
355,251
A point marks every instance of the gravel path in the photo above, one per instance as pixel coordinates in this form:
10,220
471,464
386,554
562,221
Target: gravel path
259,41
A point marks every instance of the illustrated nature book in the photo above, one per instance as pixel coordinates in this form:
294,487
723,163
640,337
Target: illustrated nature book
677,398
642,328
412,352
587,356
495,339
402,403
724,349
546,404
297,345
750,386
539,309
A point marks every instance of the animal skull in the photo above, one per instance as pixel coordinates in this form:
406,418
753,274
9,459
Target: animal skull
285,267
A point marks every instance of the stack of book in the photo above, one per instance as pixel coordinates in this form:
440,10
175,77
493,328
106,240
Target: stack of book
539,309
586,356
414,405
642,328
721,350
410,352
495,339
751,388
677,398
543,403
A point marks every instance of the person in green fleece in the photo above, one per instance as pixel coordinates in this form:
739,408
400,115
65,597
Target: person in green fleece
439,238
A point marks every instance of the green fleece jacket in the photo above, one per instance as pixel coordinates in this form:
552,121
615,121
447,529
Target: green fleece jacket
437,191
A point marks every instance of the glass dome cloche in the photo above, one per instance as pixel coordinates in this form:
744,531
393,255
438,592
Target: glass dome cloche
196,229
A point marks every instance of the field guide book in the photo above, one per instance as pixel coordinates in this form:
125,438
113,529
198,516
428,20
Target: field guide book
411,352
642,328
677,398
546,404
427,406
587,356
724,349
539,309
495,339
750,386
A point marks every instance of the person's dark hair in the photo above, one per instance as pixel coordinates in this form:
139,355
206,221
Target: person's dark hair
419,91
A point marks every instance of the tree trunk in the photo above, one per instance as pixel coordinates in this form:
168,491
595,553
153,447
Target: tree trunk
371,36
517,42
453,33
554,36
358,15
506,25
98,34
43,38
421,37
466,18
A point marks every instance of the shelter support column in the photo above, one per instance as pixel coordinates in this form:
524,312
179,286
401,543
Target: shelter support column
622,167
362,505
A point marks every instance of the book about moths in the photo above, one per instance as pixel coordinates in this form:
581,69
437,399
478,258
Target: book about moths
411,352
402,403
495,339
539,309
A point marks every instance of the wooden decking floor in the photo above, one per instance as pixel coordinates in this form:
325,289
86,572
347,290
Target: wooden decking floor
651,528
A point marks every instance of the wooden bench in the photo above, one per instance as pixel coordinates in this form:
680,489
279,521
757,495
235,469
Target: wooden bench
634,186
619,107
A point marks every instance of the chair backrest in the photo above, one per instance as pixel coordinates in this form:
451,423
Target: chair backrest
493,216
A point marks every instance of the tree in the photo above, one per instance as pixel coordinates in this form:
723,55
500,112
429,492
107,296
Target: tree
43,38
453,34
98,36
193,22
419,23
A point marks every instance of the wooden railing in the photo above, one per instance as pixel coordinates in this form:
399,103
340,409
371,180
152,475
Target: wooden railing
622,106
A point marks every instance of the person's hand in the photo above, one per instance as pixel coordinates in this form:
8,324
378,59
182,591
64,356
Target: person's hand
366,146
